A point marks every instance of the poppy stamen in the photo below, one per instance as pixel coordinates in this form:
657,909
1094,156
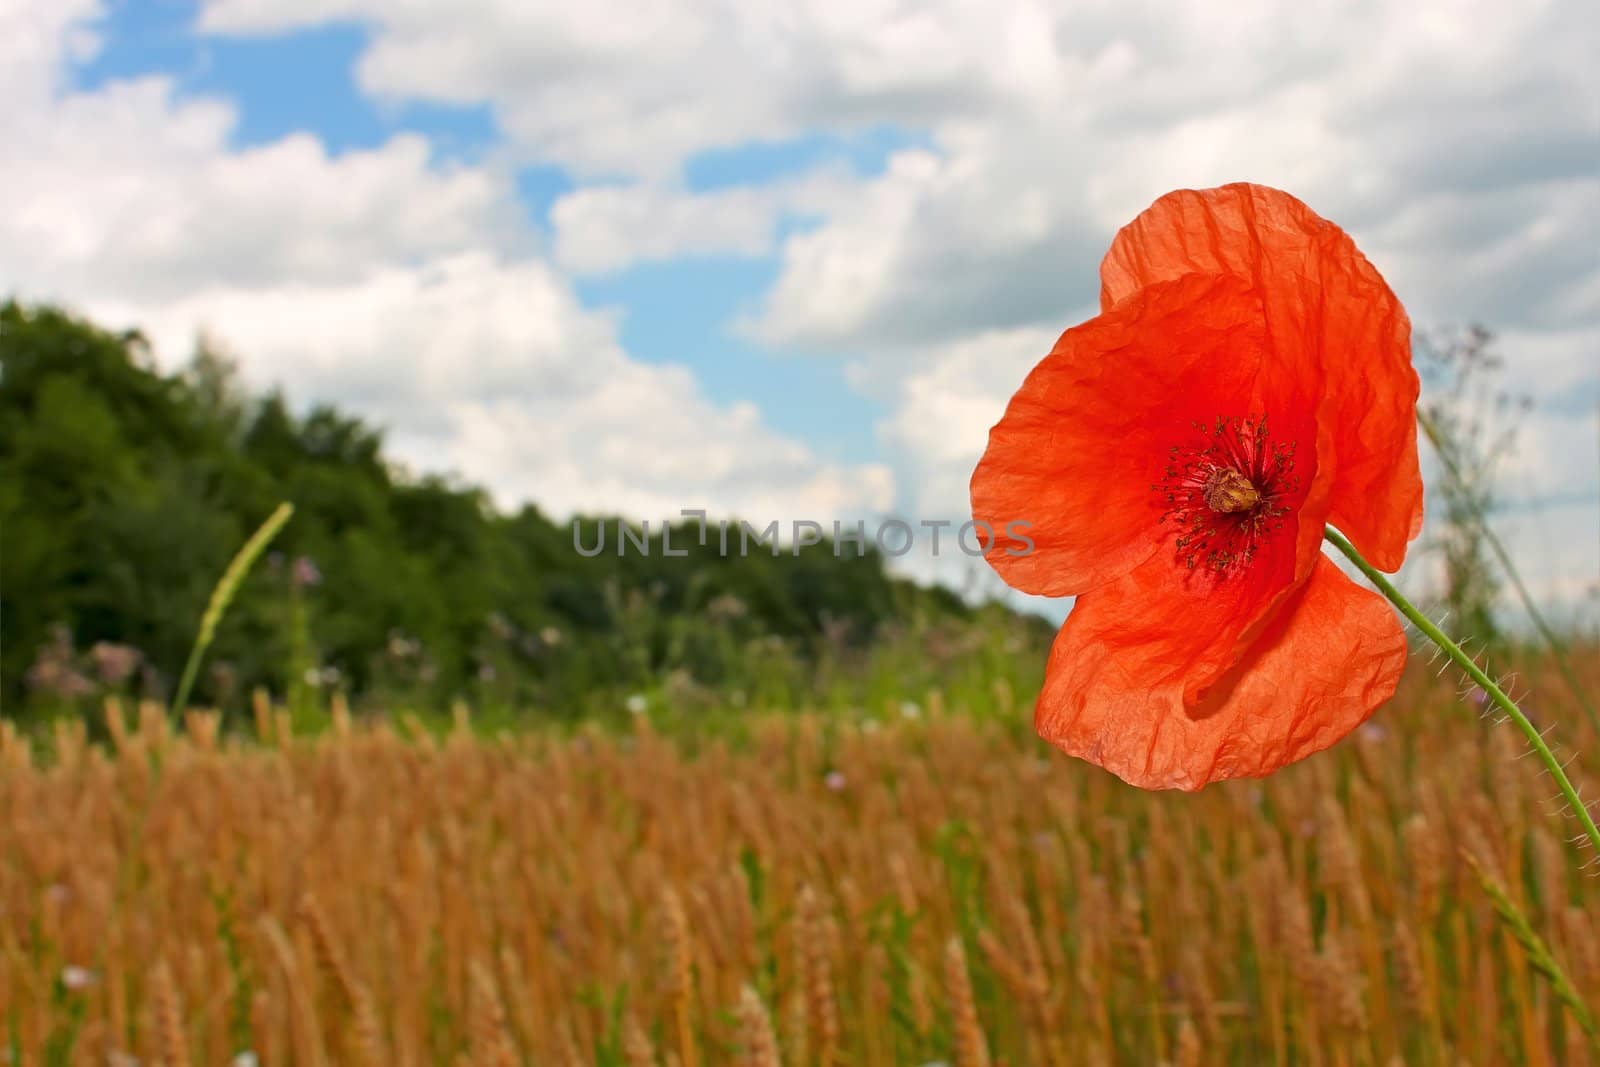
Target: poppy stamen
1226,492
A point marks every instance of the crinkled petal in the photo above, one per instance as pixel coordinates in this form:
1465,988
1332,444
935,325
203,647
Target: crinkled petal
1331,321
1114,687
1066,481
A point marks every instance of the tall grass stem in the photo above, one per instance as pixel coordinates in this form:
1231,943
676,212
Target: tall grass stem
222,596
1442,449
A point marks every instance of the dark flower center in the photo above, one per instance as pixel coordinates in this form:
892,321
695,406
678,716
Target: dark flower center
1225,491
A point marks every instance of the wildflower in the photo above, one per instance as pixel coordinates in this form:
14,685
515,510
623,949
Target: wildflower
834,780
910,709
114,663
1247,381
304,572
54,673
76,978
636,704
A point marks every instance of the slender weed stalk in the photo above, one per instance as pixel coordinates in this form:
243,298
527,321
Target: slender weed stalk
1557,647
223,595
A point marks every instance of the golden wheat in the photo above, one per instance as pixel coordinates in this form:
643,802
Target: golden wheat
809,892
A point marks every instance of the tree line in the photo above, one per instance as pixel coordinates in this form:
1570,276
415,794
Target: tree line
125,490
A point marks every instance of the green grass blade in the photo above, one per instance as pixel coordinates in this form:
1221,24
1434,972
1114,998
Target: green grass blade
222,596
1539,956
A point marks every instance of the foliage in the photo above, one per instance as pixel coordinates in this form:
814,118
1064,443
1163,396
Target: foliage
123,491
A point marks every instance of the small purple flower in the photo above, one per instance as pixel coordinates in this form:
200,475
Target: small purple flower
114,663
834,780
304,572
53,671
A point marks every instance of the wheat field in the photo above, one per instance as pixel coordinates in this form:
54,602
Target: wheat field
919,885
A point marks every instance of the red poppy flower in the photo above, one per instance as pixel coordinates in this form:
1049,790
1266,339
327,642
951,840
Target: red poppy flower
1247,381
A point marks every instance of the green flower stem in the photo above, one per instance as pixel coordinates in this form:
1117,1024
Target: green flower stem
1473,671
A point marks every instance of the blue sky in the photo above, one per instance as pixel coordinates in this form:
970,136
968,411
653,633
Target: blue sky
779,260
303,82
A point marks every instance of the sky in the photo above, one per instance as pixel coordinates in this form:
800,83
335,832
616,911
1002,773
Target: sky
774,259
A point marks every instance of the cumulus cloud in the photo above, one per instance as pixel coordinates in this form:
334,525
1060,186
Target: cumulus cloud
409,292
1457,146
1455,142
603,93
494,369
129,191
607,228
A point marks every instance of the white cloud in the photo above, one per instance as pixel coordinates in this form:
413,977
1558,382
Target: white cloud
129,191
494,369
33,39
607,228
943,409
605,92
407,292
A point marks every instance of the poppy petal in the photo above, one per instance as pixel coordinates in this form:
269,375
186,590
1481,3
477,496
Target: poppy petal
1328,658
1330,319
1066,482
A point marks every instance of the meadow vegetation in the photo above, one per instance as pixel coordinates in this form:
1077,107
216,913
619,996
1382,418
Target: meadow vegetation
921,882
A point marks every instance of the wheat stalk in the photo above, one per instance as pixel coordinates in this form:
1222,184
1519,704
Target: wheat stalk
971,1048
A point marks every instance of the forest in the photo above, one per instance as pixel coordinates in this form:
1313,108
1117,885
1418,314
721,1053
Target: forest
125,490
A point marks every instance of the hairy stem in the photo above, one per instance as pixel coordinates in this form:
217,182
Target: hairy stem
1452,650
